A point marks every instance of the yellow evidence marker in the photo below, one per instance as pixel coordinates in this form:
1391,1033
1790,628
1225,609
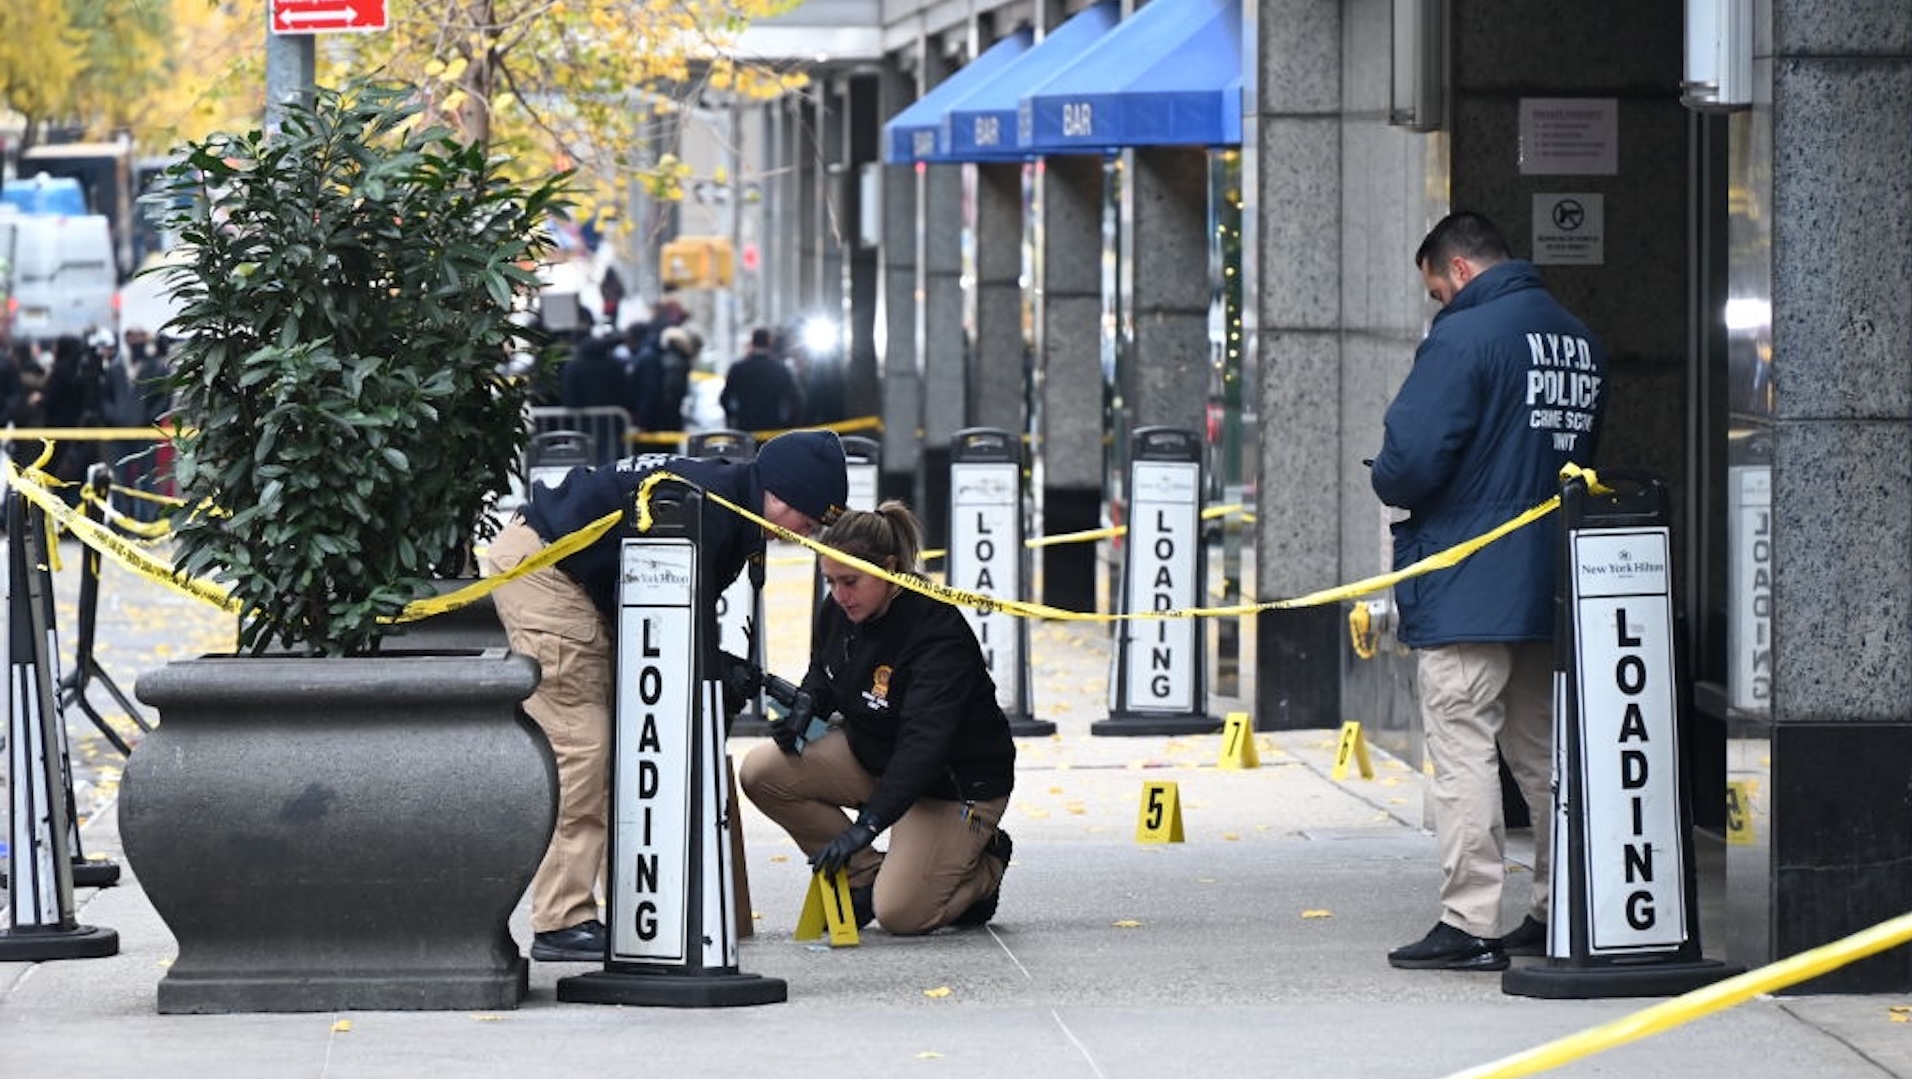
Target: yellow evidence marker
827,906
1353,745
1238,743
1160,820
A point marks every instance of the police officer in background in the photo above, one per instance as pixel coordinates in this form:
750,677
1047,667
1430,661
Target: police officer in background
565,617
1506,389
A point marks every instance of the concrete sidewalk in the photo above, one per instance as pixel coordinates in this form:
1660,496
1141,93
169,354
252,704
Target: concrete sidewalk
1258,946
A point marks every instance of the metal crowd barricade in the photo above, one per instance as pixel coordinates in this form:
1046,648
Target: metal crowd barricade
608,426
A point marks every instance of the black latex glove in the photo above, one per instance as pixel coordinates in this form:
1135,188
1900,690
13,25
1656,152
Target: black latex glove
785,734
837,854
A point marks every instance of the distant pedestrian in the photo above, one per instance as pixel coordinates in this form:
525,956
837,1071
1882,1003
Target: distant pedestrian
611,294
661,379
760,394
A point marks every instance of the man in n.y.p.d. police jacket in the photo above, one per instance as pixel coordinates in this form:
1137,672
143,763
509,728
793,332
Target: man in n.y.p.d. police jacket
1507,387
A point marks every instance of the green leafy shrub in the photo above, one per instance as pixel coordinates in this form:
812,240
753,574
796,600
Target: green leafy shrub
347,293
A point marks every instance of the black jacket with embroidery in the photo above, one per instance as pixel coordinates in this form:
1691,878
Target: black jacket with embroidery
729,542
918,703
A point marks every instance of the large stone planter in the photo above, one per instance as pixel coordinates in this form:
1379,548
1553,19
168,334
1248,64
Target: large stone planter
330,834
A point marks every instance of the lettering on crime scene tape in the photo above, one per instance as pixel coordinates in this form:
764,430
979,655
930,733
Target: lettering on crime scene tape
32,482
827,906
1160,819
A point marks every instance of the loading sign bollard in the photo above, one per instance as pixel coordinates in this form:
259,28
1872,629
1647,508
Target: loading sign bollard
740,620
987,555
670,893
1624,921
1160,683
41,923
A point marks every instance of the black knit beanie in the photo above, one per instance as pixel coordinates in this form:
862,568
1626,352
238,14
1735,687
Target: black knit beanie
806,469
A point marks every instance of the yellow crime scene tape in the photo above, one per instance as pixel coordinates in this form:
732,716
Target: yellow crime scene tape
35,484
37,487
1703,1001
1025,609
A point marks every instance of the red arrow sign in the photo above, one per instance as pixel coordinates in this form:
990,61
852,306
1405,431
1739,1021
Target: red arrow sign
327,16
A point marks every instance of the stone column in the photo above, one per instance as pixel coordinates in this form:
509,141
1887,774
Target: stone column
1069,437
997,376
898,359
939,339
1294,287
1835,856
833,233
862,138
809,182
1165,373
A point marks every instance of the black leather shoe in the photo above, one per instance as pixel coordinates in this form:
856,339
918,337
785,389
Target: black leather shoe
1448,948
582,943
1001,848
1530,938
863,904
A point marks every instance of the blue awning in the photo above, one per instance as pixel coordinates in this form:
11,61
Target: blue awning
1170,75
983,125
915,134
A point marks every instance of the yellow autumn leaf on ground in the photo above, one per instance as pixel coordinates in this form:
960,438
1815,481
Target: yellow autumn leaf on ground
780,857
929,1054
1128,923
487,1018
1230,836
341,1026
938,993
1317,914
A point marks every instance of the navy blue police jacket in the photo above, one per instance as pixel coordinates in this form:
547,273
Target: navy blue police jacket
728,541
918,704
1507,388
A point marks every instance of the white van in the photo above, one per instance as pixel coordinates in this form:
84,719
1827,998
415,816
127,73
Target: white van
62,274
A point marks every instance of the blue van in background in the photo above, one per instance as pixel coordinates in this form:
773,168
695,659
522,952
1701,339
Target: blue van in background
44,194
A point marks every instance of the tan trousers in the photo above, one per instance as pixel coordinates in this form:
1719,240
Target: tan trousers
1479,703
935,867
549,618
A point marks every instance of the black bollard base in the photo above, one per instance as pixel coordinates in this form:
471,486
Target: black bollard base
749,725
1021,726
704,990
1145,723
1557,980
100,874
80,942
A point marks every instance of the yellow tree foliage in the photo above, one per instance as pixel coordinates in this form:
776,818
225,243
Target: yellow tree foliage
598,85
595,85
41,57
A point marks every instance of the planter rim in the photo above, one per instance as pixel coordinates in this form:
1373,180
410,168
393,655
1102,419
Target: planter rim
441,675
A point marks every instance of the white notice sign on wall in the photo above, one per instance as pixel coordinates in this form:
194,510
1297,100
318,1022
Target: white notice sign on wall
1569,136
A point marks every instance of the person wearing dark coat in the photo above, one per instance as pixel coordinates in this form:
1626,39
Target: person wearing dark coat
923,750
760,393
565,616
1506,389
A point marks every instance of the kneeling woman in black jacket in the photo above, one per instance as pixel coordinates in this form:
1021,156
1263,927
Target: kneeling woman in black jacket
923,750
